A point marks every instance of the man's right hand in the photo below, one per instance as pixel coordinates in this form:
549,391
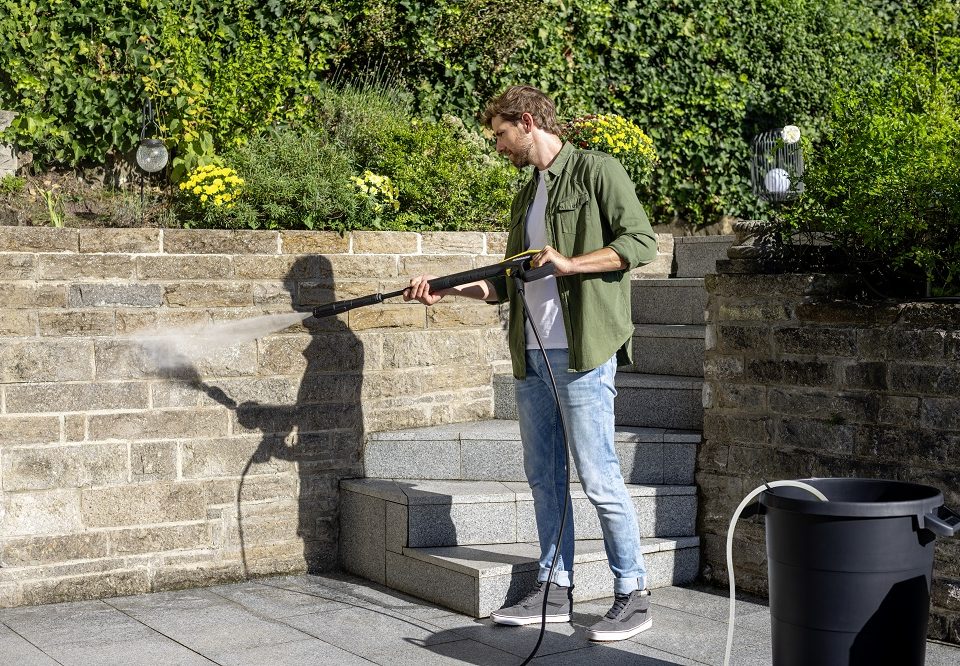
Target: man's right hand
419,290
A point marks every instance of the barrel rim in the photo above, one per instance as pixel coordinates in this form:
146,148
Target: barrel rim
931,500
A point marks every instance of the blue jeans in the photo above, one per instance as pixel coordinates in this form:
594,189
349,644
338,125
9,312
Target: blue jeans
587,399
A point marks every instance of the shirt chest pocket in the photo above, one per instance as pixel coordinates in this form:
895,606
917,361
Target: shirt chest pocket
570,211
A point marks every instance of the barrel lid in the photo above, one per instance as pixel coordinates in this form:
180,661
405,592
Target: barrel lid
856,498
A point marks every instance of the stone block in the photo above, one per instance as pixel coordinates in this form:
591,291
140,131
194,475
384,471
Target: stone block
131,241
811,434
209,241
387,316
790,371
134,321
17,266
176,576
847,312
738,310
870,375
397,521
29,429
209,458
46,361
940,413
296,354
742,397
32,514
460,524
274,293
314,242
174,267
77,322
158,424
457,315
900,345
39,239
924,379
716,366
363,536
74,428
18,323
207,294
21,295
440,265
35,551
668,301
153,461
159,538
832,406
89,586
282,267
362,267
495,243
733,338
430,348
86,267
660,267
143,504
669,350
439,585
385,242
113,295
123,359
679,463
815,340
71,466
452,242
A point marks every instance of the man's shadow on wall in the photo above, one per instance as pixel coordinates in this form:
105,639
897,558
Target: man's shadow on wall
321,431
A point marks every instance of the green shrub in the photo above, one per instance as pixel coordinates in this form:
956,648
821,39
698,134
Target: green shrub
12,184
885,187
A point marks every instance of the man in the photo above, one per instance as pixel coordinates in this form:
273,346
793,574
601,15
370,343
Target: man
581,208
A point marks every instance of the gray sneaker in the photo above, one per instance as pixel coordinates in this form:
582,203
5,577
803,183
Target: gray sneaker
629,616
530,609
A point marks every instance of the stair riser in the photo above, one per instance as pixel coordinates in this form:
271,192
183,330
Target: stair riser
663,304
668,356
479,597
484,460
465,524
645,407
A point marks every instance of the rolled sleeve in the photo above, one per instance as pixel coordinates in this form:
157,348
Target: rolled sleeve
633,237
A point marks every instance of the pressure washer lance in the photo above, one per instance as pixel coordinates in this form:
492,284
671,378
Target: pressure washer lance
519,262
733,523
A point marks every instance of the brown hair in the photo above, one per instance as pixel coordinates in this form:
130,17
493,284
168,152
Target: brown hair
518,100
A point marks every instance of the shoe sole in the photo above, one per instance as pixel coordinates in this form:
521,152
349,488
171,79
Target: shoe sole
522,621
618,635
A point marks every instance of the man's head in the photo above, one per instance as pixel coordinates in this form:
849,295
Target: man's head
517,116
515,101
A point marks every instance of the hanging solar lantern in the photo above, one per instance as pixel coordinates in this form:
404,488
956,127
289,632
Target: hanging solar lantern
776,169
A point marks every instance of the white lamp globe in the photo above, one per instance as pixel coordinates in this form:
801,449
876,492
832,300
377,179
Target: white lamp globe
777,180
790,134
152,155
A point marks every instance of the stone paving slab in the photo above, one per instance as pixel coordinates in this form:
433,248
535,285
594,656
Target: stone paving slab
342,620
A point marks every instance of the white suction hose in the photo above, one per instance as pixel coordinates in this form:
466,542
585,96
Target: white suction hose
733,523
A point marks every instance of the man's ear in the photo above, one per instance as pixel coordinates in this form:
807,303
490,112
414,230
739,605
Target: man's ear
528,122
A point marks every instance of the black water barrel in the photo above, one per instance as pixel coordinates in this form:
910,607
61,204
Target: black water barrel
850,578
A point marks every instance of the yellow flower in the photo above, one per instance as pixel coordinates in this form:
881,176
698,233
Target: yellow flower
203,197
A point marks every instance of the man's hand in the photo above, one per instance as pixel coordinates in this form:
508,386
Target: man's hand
419,290
562,265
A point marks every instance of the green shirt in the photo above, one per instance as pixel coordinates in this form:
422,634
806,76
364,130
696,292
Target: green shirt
591,204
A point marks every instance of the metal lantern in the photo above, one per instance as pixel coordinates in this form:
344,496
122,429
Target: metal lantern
776,169
152,155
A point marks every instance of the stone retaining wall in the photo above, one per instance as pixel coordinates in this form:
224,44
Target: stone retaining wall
117,478
802,382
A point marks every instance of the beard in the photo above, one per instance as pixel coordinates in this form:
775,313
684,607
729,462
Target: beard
521,157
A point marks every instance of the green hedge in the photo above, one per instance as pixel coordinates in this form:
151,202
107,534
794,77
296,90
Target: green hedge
700,76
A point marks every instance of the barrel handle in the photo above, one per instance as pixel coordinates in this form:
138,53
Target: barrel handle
942,521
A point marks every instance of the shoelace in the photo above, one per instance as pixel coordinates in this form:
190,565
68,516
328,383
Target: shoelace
533,593
619,603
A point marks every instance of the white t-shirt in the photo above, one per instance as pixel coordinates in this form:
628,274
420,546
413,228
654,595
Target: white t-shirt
543,299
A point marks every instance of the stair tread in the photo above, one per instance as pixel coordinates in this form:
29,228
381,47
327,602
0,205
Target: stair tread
443,491
639,380
508,429
506,558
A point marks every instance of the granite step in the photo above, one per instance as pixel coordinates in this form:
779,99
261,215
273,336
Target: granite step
696,256
668,349
462,513
643,400
477,580
668,301
491,451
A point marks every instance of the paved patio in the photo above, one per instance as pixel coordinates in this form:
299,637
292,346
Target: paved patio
341,620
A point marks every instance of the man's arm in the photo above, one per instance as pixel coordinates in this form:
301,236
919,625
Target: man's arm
419,290
599,261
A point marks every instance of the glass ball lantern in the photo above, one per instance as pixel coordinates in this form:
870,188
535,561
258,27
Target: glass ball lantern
152,155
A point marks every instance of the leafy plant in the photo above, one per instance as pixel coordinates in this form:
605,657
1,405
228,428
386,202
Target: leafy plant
10,184
885,187
54,203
